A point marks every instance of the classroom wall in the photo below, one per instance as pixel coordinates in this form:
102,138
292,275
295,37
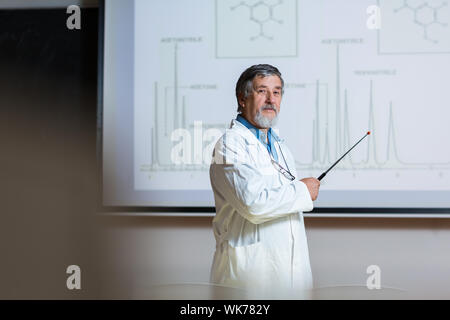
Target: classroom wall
48,175
413,254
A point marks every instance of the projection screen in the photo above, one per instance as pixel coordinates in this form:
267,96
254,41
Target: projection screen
349,66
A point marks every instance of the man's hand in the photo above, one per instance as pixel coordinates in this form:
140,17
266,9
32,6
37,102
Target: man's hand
313,186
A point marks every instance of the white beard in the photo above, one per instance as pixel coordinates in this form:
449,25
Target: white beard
263,121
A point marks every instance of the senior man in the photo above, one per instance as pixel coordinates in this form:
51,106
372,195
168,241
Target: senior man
260,235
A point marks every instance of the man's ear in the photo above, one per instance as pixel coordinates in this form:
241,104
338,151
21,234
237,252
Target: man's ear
242,101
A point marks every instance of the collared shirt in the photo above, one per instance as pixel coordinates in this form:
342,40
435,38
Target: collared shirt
261,137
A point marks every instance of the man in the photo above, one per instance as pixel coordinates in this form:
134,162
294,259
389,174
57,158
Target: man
260,236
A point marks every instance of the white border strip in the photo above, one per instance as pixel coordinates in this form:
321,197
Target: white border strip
306,215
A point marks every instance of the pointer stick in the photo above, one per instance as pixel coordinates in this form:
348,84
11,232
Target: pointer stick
325,173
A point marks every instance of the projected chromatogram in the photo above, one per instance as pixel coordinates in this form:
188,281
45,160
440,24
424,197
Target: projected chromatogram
322,155
342,80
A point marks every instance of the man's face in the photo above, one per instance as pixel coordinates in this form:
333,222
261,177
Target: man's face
262,105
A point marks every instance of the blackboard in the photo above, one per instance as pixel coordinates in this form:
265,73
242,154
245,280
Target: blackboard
48,107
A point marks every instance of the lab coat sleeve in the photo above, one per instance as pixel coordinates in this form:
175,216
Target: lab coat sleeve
246,189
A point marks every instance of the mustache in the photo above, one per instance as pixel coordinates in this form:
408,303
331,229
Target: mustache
269,107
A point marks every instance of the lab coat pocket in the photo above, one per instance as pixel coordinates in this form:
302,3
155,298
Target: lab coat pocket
247,264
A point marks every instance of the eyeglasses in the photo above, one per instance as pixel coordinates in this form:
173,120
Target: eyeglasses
283,171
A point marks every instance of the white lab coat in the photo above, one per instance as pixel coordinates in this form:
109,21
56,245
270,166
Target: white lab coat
260,235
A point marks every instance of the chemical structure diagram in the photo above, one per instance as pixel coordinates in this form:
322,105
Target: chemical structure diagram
261,12
425,14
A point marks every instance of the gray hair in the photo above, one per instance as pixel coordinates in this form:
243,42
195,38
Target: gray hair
245,83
